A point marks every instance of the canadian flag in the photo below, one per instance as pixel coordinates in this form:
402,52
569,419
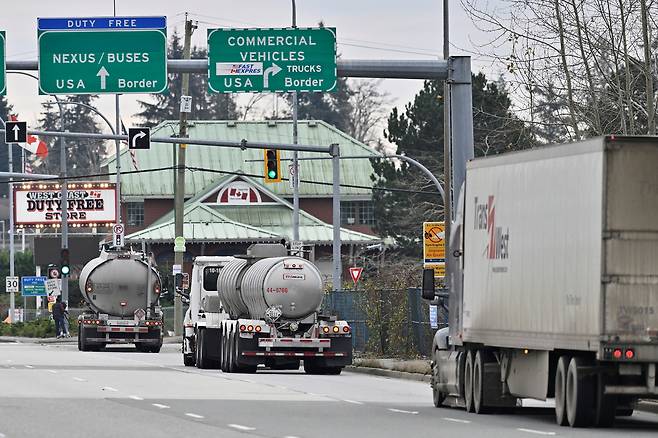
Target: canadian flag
33,144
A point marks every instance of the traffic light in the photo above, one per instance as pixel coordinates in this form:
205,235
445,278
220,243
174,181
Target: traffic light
64,266
53,271
272,166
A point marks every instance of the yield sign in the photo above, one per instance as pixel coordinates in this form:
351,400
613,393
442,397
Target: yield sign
355,273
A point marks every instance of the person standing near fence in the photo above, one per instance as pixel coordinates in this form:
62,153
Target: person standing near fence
58,316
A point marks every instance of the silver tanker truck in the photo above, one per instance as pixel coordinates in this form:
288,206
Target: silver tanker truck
267,311
122,292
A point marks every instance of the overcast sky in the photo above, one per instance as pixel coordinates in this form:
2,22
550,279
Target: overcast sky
373,29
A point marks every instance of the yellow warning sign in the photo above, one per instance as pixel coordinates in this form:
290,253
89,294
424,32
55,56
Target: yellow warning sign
434,244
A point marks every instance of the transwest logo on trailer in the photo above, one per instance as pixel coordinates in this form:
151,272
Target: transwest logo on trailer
485,219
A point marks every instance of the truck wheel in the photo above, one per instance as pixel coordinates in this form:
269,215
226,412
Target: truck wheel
560,391
579,394
437,396
82,341
468,382
310,368
188,360
624,412
201,357
155,348
224,350
478,383
232,365
606,404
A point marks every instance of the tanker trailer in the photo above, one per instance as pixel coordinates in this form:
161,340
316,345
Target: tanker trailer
122,292
272,306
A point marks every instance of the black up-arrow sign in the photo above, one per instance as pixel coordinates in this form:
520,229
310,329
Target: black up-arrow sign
139,138
15,132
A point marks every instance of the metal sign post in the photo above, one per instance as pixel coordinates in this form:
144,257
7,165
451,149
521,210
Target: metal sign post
3,63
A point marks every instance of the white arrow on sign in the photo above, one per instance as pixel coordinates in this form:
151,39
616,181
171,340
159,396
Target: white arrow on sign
103,75
16,130
266,74
140,134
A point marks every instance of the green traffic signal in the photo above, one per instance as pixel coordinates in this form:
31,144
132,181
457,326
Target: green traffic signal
272,166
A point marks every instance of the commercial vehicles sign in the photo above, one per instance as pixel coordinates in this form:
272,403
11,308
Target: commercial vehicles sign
102,55
89,204
255,60
33,286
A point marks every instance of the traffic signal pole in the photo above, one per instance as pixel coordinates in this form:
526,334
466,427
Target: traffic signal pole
295,162
12,296
179,200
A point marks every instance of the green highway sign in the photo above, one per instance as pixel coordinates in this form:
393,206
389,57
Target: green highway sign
3,63
255,60
102,55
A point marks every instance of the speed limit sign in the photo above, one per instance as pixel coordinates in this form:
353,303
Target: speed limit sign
11,284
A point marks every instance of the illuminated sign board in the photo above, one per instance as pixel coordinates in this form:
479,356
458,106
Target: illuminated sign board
89,205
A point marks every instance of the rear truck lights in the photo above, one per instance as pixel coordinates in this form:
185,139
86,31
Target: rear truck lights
325,329
258,329
250,328
123,304
630,354
90,321
157,288
243,328
346,329
89,286
153,323
617,353
336,329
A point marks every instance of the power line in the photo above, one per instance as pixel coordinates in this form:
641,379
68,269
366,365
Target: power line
223,172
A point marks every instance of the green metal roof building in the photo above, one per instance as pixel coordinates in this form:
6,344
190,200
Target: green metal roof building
228,206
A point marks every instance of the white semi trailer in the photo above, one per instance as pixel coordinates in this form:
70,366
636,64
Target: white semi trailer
556,291
264,308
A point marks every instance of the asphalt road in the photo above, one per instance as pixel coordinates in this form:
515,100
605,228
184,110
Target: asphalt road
55,391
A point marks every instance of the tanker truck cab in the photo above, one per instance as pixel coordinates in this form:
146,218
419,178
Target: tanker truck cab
122,292
202,319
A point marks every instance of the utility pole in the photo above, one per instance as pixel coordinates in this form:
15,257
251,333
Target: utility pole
179,199
12,297
64,203
295,162
447,152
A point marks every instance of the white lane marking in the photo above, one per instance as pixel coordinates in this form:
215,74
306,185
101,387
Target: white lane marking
2,435
109,388
457,420
158,405
400,411
241,427
538,432
189,414
354,402
52,371
78,379
135,397
29,366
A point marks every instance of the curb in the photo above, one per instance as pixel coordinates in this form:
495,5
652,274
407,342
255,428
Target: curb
72,340
388,373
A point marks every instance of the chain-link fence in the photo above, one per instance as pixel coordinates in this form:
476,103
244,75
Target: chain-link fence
386,322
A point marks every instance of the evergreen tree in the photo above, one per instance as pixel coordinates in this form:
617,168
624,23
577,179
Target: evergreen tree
205,106
5,111
418,133
83,156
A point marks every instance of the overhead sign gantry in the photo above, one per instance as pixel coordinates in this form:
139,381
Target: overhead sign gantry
276,60
102,55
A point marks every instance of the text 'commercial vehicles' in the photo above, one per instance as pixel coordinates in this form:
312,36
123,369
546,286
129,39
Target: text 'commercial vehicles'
122,290
556,288
262,308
